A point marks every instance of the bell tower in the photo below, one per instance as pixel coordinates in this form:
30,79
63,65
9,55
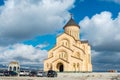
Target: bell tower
72,29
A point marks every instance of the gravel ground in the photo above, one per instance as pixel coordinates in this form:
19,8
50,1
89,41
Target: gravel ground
71,76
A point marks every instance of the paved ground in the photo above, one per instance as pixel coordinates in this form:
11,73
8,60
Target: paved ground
72,76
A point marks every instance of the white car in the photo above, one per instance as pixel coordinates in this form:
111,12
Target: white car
40,74
27,73
24,73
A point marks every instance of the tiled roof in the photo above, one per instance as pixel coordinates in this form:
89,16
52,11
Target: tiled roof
71,22
14,62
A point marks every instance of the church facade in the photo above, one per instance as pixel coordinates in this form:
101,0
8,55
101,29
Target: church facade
69,52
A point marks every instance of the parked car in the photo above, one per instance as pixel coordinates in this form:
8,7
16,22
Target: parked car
27,73
51,73
6,73
33,73
12,73
41,74
1,73
24,73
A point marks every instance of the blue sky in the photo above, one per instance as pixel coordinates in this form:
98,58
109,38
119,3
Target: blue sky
28,29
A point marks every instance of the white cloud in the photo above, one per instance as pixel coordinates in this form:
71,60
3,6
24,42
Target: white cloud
105,60
23,19
42,45
102,31
22,53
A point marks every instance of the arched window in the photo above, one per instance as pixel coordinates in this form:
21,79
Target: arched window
74,65
65,42
65,56
77,65
14,68
77,55
61,55
18,68
10,68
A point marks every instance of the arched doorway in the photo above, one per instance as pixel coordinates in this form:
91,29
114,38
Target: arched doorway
60,67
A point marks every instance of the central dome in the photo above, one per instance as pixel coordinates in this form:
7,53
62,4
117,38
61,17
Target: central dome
72,29
71,22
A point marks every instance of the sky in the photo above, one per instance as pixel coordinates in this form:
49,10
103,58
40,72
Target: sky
28,29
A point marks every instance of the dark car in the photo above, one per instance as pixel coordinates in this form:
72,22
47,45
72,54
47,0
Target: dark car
13,73
33,73
51,73
6,73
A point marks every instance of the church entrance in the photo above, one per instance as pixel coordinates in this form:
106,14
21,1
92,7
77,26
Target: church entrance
60,67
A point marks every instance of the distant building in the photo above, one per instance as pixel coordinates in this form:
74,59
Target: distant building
14,66
69,52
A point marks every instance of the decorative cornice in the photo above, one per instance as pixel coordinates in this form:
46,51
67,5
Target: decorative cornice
61,59
62,46
80,49
77,58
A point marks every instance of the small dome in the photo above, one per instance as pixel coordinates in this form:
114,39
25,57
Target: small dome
14,62
71,22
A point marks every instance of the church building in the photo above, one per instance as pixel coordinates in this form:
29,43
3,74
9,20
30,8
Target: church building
69,52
